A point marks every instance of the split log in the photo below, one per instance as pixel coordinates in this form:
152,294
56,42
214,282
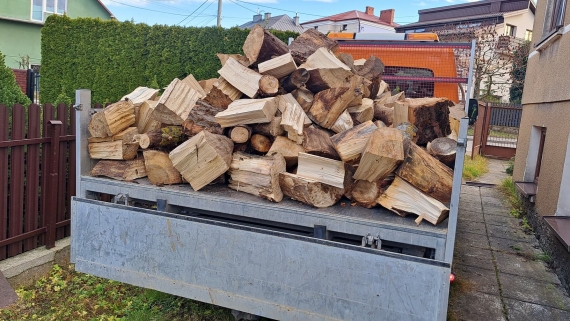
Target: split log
317,141
443,149
240,58
241,77
308,42
288,149
118,147
289,99
145,122
365,193
193,83
260,45
112,119
329,104
379,124
292,121
321,79
208,84
120,170
381,156
175,104
384,114
240,134
323,58
159,168
351,143
295,80
140,95
268,86
165,138
343,122
371,69
248,111
430,116
304,97
202,117
309,191
324,170
202,158
222,94
363,112
401,198
260,143
426,173
257,175
400,114
273,128
278,67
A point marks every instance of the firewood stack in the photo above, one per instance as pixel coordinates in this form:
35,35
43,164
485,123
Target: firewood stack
303,121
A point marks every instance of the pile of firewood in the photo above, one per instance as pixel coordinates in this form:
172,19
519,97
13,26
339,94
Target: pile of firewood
302,121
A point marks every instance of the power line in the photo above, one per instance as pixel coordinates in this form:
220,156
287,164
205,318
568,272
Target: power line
188,16
246,8
256,4
187,22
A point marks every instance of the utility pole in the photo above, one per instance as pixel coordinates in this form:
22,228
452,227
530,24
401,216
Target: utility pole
219,13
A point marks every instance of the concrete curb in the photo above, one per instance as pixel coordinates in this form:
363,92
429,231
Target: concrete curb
26,268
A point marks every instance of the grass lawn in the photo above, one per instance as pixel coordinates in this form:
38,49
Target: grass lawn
474,168
66,295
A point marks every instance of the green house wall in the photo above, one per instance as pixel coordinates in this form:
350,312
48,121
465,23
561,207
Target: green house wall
20,36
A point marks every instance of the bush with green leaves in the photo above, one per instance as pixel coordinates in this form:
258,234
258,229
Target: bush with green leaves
10,92
113,58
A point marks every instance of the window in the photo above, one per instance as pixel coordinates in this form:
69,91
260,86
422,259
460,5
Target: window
37,10
48,6
539,156
61,6
510,30
554,15
528,35
344,27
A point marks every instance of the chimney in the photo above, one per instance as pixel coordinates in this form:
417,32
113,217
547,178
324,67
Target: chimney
369,10
267,15
256,18
387,16
296,19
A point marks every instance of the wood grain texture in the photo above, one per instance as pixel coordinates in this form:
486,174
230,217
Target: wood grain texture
317,141
241,77
257,175
120,170
383,153
309,191
260,45
159,168
175,104
278,67
248,111
112,119
351,143
324,170
288,149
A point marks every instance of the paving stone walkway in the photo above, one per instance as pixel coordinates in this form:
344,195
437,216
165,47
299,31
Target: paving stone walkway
501,271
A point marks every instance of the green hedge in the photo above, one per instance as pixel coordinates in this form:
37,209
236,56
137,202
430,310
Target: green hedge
10,92
112,58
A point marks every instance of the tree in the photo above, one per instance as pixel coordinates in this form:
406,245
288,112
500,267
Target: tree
10,92
518,72
494,56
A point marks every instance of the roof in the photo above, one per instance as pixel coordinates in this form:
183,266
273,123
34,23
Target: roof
282,23
451,20
351,15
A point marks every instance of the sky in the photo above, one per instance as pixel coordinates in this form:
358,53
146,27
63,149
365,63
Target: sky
236,12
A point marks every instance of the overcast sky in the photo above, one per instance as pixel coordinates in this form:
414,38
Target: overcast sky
237,12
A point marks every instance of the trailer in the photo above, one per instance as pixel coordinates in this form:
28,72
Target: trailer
284,261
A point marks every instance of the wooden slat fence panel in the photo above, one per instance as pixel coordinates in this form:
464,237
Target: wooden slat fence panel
62,178
16,182
49,113
4,135
31,214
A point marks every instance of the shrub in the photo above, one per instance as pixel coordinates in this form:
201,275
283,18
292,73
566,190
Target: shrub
10,92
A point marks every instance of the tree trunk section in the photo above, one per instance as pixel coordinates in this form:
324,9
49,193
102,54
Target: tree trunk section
260,143
443,149
383,153
240,134
118,147
112,119
166,138
296,79
351,143
159,168
309,191
120,170
308,42
288,149
260,45
431,117
317,141
257,175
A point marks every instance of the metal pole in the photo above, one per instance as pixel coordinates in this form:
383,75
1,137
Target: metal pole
83,162
470,77
219,13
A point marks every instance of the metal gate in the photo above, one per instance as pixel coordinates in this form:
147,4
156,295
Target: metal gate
33,88
496,130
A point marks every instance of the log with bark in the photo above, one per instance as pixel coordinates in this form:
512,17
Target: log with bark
443,149
202,117
273,128
430,116
260,45
288,149
260,143
304,97
324,170
175,104
257,175
308,42
364,193
309,191
140,95
346,59
202,158
426,173
317,141
165,138
278,67
343,123
323,58
145,122
297,79
222,94
248,111
159,168
112,119
240,134
383,153
401,198
268,86
363,112
408,130
117,147
372,69
326,78
121,170
384,114
351,143
329,104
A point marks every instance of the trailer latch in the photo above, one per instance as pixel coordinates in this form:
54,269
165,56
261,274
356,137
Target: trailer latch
124,197
373,241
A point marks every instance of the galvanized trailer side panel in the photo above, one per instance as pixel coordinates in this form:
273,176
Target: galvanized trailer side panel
273,274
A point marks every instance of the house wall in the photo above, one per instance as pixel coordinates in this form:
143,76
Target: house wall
12,44
20,9
21,78
86,8
523,22
353,26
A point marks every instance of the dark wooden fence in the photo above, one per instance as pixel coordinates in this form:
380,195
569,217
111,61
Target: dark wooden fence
496,130
37,176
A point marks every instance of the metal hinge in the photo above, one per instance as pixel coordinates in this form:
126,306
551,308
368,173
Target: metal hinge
373,241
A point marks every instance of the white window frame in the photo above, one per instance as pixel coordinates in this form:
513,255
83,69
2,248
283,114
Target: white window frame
44,8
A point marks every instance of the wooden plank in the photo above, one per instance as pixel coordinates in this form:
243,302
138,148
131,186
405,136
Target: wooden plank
4,129
32,176
16,215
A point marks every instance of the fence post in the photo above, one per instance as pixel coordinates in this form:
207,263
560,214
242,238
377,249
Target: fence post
53,183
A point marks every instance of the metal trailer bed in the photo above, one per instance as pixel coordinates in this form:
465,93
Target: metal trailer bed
283,261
